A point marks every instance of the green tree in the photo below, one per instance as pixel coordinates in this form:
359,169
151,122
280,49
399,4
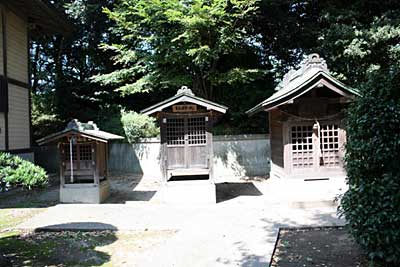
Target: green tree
61,67
362,40
166,44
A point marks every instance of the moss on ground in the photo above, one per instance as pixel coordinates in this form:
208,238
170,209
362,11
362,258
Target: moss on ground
62,249
72,249
56,248
11,217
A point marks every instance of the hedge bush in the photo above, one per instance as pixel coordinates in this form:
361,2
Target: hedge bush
138,126
15,171
372,203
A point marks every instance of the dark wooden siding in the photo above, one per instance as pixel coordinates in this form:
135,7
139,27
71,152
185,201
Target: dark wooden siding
3,95
276,138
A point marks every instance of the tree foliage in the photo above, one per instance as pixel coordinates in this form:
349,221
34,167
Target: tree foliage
138,126
372,203
368,52
166,44
15,171
61,65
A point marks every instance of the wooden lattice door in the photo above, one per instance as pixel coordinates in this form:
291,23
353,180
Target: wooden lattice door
314,147
302,147
186,141
330,146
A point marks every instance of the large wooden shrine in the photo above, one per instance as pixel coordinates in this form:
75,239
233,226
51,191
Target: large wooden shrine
83,152
185,125
306,122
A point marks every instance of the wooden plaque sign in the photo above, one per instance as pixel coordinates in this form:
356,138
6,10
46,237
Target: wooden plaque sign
184,108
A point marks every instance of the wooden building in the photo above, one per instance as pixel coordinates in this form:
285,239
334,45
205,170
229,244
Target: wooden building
83,151
306,122
20,19
186,122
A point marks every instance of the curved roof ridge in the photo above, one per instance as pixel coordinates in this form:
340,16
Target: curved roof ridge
296,82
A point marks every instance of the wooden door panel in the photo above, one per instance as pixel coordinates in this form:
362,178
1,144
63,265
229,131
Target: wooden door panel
197,142
302,147
198,157
186,139
175,138
176,157
314,147
329,139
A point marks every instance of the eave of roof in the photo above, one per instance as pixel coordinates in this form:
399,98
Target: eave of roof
39,13
184,97
299,87
91,134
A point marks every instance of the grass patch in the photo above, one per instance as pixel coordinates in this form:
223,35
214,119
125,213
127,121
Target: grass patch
10,218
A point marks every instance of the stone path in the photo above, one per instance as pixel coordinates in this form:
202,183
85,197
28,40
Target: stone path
237,232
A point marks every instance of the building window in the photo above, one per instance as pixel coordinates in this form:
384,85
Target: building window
85,152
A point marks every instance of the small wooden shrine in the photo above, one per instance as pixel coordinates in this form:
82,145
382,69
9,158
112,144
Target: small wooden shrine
185,124
306,122
83,151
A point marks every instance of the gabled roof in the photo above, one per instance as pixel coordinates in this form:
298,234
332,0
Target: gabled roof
42,15
184,95
88,130
312,73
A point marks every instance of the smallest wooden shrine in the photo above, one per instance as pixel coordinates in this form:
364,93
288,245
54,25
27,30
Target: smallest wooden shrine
83,151
306,122
185,124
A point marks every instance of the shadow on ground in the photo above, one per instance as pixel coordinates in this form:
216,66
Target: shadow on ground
318,246
60,248
125,190
228,191
37,198
269,228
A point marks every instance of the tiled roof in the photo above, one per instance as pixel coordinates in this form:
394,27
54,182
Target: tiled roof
297,82
184,95
88,130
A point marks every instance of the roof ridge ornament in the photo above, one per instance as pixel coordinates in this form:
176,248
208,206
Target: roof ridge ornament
80,126
312,61
184,90
74,124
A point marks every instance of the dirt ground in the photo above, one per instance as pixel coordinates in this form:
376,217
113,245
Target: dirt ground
147,233
97,248
317,247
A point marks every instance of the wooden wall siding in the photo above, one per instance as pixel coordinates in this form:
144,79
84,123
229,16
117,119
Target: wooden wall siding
1,43
101,159
276,130
2,132
17,49
18,117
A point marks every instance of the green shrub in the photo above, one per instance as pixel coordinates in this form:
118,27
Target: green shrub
138,126
45,124
372,203
14,171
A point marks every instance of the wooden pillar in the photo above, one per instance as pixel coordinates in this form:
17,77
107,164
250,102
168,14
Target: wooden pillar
163,148
61,150
210,149
95,165
106,160
286,149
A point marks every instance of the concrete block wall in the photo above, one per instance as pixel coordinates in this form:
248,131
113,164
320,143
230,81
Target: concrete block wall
235,157
240,156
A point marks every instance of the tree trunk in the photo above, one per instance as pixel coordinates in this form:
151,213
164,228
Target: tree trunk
35,69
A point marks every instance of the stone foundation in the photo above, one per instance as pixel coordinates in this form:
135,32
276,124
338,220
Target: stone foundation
85,193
